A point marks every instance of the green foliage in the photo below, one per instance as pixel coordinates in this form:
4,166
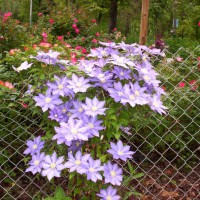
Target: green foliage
59,194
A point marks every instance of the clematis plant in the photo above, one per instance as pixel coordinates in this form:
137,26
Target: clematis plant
88,107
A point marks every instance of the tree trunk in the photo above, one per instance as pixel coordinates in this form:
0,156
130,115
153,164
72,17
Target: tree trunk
113,15
144,22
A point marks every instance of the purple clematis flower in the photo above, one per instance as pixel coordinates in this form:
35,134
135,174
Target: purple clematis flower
121,61
72,130
75,163
59,87
93,125
87,66
56,115
77,111
47,101
34,146
52,166
156,105
99,52
94,107
102,79
49,58
122,73
129,96
76,145
36,163
119,151
117,91
78,84
64,108
92,169
112,174
108,194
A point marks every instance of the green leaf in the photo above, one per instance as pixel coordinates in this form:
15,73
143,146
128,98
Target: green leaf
59,194
103,158
138,175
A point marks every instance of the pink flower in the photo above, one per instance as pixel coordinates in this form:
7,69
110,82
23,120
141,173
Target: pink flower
44,34
115,29
68,45
73,55
179,59
78,47
97,34
73,60
45,44
74,26
181,84
94,20
34,46
40,14
75,20
8,85
83,39
51,21
199,24
68,33
95,41
12,52
77,30
60,37
6,16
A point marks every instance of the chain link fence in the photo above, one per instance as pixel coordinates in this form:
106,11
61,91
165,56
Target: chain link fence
167,147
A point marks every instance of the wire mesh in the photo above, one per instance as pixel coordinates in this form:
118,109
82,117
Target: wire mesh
167,147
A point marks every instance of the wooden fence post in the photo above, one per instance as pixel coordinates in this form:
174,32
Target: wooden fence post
144,22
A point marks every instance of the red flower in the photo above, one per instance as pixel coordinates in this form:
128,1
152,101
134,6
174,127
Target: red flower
2,83
164,88
115,29
24,105
51,21
192,83
60,37
83,39
34,46
199,24
182,84
94,20
26,48
84,50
